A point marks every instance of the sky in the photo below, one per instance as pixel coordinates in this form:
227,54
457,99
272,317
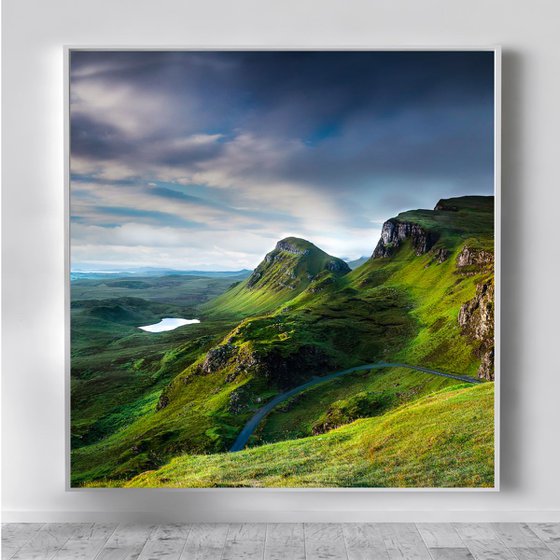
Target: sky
204,160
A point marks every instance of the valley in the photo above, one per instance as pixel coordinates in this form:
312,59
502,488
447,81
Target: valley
165,408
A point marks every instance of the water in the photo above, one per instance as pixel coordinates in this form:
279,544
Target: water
168,324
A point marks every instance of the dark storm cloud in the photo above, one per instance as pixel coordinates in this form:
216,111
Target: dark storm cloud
403,112
298,142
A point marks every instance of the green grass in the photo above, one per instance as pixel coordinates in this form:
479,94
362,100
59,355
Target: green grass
114,388
473,217
335,402
186,291
444,440
198,418
437,292
402,308
118,371
280,277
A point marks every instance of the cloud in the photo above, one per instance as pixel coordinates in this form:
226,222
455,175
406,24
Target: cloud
316,144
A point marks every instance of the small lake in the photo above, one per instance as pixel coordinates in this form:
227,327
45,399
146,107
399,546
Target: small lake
168,324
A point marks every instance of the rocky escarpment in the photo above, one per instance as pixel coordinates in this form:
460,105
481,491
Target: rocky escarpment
475,258
290,247
394,232
476,318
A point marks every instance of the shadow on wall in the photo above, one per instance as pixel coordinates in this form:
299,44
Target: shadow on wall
511,345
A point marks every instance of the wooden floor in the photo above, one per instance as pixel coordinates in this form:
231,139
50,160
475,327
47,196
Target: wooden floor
313,541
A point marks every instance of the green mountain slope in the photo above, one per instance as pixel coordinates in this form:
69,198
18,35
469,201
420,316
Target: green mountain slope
445,440
284,273
357,262
363,394
424,298
446,266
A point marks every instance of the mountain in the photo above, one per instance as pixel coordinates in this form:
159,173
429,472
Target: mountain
424,298
357,262
444,258
290,268
439,229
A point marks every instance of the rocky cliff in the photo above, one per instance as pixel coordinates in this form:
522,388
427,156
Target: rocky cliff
476,318
394,232
472,257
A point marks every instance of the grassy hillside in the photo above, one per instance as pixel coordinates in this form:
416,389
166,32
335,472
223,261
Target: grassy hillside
301,313
284,273
437,288
444,440
456,220
210,400
363,394
119,371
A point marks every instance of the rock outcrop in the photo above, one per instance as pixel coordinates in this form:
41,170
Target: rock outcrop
290,247
476,318
285,370
216,358
471,257
394,232
162,402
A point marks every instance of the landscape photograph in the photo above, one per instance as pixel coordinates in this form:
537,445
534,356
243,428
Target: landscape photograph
282,269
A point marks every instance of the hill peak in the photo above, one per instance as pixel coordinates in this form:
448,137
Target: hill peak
472,202
295,245
285,272
293,263
447,224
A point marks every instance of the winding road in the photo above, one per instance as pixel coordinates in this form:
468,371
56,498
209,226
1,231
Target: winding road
251,426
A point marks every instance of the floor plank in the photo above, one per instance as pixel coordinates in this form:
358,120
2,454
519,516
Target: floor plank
46,542
483,542
451,553
86,542
324,541
403,542
15,535
440,535
205,542
475,531
538,553
19,531
284,541
168,549
171,531
549,533
119,553
79,550
245,540
126,543
523,541
290,541
166,542
490,550
517,535
364,541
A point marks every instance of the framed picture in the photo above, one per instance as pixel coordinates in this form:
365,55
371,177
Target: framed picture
283,268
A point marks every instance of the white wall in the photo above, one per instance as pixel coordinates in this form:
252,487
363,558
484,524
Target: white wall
33,236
